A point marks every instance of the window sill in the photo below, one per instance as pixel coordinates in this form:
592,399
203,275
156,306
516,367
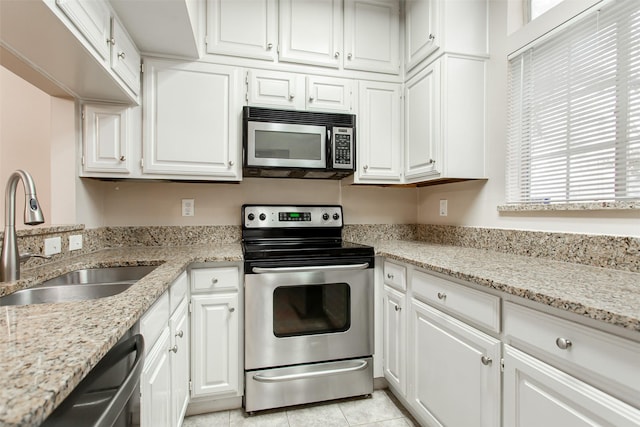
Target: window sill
591,206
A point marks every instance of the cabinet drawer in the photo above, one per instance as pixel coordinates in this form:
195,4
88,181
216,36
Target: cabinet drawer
178,291
209,279
395,276
154,320
602,359
475,306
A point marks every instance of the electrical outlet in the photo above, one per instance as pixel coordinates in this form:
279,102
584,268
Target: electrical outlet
188,207
52,246
75,242
443,207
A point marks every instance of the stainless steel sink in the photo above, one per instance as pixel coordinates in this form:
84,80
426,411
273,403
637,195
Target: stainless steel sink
80,285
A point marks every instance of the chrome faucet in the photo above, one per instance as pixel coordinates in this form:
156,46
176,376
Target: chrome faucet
10,266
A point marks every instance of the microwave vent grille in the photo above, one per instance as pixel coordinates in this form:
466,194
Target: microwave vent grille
301,117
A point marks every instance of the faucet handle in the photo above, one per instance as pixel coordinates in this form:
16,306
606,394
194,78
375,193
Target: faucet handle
26,255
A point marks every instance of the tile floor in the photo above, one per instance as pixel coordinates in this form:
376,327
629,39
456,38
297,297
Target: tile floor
380,410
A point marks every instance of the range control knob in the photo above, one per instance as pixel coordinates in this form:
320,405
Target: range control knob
336,216
325,216
262,217
251,217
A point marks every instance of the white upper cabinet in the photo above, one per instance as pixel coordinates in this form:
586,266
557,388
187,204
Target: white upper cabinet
445,120
125,59
379,156
191,119
371,35
311,32
446,26
105,136
243,28
329,94
275,89
93,20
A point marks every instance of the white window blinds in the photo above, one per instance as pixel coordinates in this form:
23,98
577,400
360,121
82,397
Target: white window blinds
574,112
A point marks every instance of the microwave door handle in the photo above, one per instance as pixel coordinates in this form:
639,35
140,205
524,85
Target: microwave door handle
329,148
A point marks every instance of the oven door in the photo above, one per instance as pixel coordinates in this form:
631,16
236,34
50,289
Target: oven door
286,145
308,314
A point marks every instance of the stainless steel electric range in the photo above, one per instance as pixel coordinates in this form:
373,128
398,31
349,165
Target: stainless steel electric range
308,307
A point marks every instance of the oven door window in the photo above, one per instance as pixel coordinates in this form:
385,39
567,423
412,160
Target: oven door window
311,309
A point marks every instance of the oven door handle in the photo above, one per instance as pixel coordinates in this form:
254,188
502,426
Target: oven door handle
355,366
309,268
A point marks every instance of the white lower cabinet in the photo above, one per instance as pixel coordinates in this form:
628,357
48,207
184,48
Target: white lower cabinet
216,362
537,394
452,365
394,330
164,382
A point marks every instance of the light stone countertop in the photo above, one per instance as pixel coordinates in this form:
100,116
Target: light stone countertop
47,349
611,296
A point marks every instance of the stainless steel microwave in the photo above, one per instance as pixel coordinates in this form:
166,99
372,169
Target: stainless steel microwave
297,144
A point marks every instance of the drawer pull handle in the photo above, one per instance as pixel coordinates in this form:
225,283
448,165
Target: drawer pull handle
486,360
389,276
398,308
180,334
442,295
563,343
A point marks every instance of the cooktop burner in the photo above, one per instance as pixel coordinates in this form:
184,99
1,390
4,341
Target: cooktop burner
300,232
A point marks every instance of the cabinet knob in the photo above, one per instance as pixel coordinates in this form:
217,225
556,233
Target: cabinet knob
390,276
432,37
123,158
349,56
563,343
486,360
442,295
365,167
232,309
311,99
431,161
180,334
214,281
336,55
174,349
231,163
111,40
121,55
398,308
269,46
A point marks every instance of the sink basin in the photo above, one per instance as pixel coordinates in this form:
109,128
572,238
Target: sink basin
78,285
101,275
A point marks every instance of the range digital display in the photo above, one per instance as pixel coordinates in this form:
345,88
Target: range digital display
294,216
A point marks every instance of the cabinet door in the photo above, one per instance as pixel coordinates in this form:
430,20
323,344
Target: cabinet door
179,326
421,31
536,394
191,120
394,339
329,94
215,345
243,28
422,123
311,32
105,138
155,385
275,89
379,132
125,59
371,35
451,364
93,20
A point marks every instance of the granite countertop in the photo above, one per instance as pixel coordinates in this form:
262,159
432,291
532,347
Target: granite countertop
46,349
611,296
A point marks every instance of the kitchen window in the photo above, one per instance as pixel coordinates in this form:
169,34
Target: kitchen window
574,112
